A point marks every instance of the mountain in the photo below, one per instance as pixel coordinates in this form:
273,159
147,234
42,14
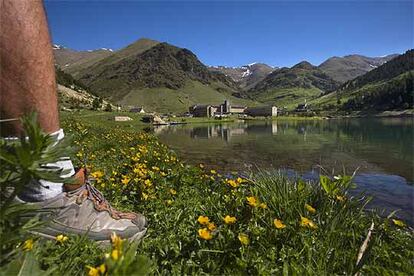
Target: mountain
74,95
163,65
158,76
388,87
349,67
245,76
72,61
291,86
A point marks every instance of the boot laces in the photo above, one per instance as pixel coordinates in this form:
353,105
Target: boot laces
98,198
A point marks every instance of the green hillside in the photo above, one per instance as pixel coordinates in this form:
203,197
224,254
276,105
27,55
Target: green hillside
178,100
288,97
134,49
288,87
396,93
162,78
387,87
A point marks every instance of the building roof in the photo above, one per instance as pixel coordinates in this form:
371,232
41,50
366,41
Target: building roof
137,108
200,106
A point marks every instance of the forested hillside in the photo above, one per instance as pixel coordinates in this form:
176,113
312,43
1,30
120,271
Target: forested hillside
388,87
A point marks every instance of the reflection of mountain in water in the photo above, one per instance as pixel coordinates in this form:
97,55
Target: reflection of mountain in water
381,150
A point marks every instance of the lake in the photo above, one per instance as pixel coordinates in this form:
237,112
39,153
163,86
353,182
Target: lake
381,150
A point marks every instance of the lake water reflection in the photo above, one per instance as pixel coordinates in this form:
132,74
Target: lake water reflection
381,150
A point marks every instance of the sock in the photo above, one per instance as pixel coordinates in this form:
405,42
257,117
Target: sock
40,190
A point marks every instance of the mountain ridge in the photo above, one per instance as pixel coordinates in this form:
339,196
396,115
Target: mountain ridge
387,87
150,65
246,76
348,67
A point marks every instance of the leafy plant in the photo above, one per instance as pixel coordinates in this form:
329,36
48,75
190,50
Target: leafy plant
336,186
21,161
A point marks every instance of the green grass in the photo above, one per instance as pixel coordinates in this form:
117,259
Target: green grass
166,100
174,195
106,119
288,97
331,98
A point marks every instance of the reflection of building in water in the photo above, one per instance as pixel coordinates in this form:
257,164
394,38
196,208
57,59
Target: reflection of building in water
216,131
274,127
261,128
160,129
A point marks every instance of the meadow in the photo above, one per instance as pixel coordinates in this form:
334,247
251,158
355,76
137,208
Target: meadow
201,221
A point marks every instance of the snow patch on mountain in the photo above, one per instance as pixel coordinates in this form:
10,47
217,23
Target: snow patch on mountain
57,47
246,73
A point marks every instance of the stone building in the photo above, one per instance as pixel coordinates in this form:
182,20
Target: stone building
265,111
216,110
137,110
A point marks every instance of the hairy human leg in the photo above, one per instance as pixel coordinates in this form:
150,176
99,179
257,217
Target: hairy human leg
27,83
27,73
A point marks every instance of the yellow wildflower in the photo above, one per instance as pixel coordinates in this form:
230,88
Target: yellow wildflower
97,174
398,222
137,170
263,205
244,239
252,201
278,224
92,271
28,245
340,198
232,183
169,201
116,241
211,226
115,254
144,196
173,192
205,234
213,171
155,168
305,222
147,183
239,180
203,220
125,180
229,220
61,238
102,269
163,174
310,209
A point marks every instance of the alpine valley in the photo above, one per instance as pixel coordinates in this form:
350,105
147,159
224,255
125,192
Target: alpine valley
165,78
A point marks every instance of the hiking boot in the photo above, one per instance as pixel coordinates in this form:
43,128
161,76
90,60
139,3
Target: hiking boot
83,210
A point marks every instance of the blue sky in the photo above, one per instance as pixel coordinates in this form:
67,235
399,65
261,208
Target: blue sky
233,33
